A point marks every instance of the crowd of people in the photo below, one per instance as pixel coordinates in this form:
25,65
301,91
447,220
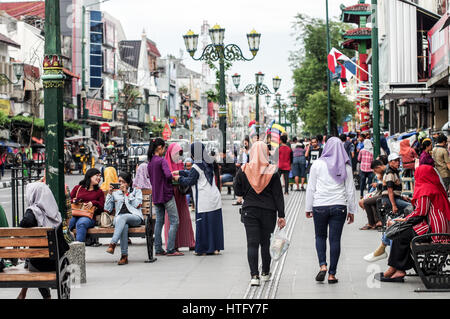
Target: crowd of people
330,167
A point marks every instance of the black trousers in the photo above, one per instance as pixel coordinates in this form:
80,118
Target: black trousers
400,256
286,180
259,225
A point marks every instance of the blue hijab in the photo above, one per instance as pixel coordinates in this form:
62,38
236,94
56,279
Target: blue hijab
203,160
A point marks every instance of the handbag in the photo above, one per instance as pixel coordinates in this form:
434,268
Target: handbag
106,220
397,228
78,209
184,189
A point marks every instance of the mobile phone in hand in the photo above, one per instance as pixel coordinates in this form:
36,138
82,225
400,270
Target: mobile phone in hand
115,185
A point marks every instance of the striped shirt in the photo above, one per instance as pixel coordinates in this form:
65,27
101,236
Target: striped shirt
366,159
436,219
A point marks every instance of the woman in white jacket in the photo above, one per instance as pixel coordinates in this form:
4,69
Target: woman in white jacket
329,196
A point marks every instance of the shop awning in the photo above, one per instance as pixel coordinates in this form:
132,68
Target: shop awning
133,127
70,73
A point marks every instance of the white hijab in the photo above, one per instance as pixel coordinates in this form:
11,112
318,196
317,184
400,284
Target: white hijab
43,204
368,146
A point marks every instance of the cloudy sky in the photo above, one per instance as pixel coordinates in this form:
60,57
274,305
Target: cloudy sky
165,21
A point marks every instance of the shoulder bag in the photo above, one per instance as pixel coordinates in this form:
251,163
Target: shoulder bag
78,209
397,228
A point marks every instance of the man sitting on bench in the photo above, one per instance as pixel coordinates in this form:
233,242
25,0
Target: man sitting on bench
227,171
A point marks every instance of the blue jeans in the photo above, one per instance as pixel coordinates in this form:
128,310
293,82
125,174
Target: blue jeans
121,223
82,224
365,177
172,212
332,217
402,205
227,178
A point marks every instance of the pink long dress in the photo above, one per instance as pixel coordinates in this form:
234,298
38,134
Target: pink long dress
185,232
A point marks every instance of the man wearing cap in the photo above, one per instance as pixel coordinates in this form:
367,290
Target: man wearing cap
392,187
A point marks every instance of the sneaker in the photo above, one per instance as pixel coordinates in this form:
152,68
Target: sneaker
371,258
266,277
255,281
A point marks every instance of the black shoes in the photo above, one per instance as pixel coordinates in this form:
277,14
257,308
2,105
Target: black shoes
321,275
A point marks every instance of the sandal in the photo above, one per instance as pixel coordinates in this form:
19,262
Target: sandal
367,227
237,204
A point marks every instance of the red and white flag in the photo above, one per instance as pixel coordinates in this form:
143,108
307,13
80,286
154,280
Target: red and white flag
333,58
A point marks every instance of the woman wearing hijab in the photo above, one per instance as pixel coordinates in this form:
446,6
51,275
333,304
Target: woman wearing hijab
408,156
433,215
110,177
366,172
208,204
258,182
42,211
330,194
185,233
142,179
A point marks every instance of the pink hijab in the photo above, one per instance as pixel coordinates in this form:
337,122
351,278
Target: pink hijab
173,149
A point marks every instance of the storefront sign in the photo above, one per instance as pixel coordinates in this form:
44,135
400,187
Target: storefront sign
94,107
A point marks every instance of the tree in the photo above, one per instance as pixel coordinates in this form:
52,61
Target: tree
314,112
310,68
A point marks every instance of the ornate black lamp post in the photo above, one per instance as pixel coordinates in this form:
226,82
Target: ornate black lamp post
257,89
218,51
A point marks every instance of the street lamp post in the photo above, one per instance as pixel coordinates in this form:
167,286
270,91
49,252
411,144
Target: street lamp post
53,82
18,72
257,89
218,51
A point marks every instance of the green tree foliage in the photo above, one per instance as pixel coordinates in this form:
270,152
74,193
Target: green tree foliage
314,113
310,67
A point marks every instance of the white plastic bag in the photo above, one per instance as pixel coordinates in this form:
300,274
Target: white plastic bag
279,243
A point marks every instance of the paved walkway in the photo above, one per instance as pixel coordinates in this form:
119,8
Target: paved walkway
227,275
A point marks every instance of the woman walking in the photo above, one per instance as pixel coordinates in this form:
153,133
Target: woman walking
89,193
127,202
163,197
366,173
185,233
285,158
329,194
259,183
208,204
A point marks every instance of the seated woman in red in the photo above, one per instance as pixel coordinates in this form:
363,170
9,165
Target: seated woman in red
431,203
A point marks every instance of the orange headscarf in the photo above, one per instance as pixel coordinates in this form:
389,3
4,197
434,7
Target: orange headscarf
258,171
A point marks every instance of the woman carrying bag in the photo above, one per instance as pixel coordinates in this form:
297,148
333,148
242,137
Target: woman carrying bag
259,183
127,202
91,198
432,215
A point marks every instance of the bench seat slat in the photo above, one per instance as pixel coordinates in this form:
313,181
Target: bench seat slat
20,274
24,253
24,242
28,232
110,230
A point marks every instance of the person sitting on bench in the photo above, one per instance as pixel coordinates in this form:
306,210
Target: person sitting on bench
432,214
127,202
42,211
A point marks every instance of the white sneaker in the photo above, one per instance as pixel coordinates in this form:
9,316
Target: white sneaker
255,281
265,277
371,258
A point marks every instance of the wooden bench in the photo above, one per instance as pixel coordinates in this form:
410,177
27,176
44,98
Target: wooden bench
432,262
144,231
33,243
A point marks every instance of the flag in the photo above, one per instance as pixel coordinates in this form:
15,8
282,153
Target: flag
333,58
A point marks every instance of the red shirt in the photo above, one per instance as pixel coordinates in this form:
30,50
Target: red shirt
284,158
96,197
